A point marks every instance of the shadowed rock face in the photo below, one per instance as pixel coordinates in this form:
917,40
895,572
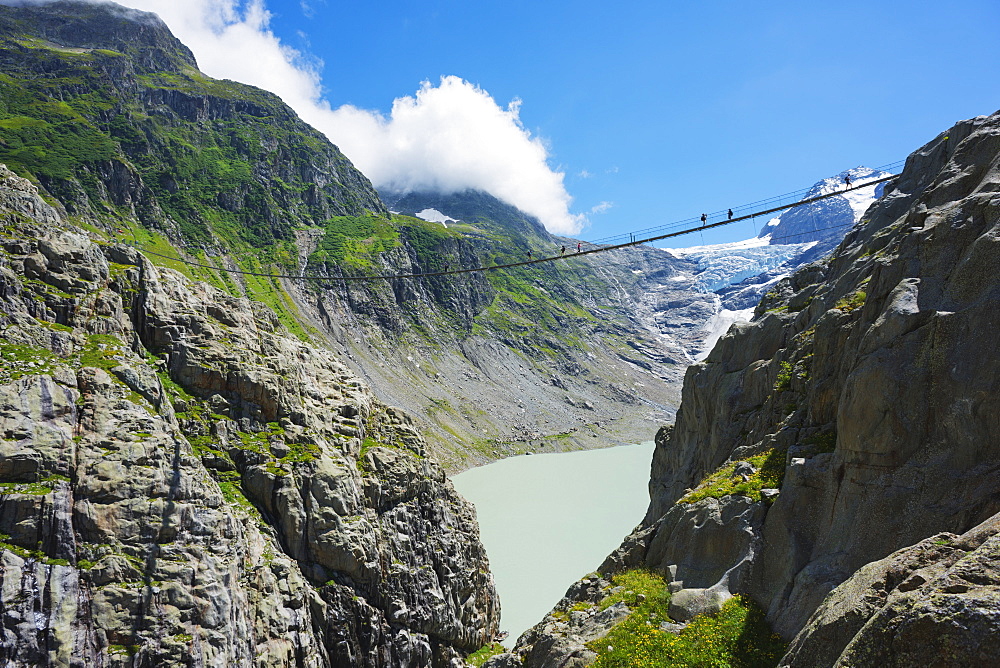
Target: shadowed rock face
876,373
184,483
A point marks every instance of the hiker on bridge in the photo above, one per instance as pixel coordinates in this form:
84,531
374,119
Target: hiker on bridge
730,214
847,180
704,219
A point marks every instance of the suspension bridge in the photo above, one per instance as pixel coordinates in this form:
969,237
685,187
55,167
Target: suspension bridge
688,226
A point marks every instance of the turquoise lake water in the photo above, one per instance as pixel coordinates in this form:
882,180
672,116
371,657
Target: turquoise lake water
547,520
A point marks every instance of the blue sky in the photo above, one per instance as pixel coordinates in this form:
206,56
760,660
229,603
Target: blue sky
650,111
675,108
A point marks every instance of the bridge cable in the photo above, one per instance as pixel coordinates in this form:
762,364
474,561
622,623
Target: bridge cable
601,249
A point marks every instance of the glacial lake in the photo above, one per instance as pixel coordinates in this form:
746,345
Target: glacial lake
547,520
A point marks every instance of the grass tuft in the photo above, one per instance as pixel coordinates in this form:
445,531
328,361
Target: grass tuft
483,654
770,467
737,637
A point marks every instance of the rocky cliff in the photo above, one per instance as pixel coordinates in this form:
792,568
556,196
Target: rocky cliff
107,113
183,482
836,459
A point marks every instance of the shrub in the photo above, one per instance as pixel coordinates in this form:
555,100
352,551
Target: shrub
784,380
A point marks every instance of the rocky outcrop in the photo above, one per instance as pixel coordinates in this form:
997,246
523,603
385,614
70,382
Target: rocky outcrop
561,638
935,603
184,483
871,378
875,355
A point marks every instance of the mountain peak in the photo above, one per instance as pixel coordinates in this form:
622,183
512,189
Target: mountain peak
68,24
475,207
827,220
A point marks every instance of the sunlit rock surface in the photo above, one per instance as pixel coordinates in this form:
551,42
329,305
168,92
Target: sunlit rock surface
185,483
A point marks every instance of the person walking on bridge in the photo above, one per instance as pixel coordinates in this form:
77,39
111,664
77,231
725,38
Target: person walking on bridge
847,180
730,214
704,219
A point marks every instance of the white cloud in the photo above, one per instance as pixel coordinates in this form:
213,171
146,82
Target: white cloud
447,137
601,207
450,137
584,174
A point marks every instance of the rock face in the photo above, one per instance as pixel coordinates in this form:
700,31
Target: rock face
871,378
935,603
184,483
876,354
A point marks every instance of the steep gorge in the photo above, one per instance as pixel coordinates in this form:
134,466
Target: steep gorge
836,460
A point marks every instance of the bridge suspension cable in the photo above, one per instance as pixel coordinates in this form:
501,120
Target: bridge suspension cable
562,256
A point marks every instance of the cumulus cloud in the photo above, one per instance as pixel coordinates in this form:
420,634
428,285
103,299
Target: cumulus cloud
448,137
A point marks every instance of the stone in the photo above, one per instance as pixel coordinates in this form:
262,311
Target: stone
686,604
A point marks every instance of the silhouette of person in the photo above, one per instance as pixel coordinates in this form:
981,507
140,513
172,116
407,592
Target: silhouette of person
562,251
730,214
704,219
578,245
847,180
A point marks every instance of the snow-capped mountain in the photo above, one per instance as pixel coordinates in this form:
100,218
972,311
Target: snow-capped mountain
827,220
739,273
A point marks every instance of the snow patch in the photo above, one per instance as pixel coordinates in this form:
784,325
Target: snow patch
435,216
